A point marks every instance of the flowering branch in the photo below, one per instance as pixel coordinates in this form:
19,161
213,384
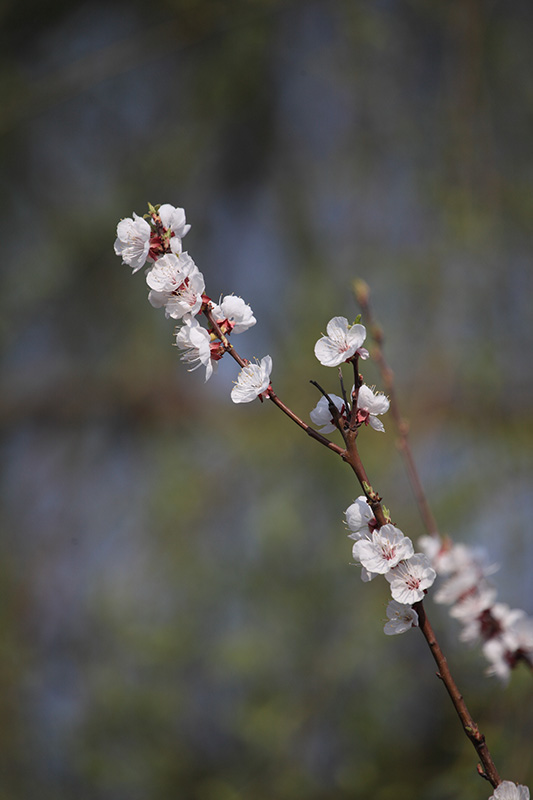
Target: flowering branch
380,547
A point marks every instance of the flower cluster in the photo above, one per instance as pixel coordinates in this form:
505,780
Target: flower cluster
177,285
506,634
386,551
344,344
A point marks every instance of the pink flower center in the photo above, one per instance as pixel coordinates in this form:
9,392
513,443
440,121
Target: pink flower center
216,350
388,551
362,416
225,325
159,240
182,288
490,626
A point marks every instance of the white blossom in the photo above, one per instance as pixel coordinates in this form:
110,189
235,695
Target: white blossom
195,341
401,618
367,576
174,219
176,284
252,381
169,271
498,621
369,405
341,343
474,604
360,518
321,415
387,547
133,241
236,312
468,567
507,790
458,586
409,579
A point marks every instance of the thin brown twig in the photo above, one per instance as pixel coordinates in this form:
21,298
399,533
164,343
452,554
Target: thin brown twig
362,294
487,768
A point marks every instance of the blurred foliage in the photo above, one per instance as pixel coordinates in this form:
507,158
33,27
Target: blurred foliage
179,612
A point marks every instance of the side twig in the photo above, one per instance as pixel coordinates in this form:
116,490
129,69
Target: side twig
362,294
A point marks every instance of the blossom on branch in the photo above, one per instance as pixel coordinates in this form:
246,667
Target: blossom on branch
410,579
474,604
196,342
168,227
401,618
360,518
133,241
387,547
507,790
173,220
233,315
369,405
342,342
321,414
496,620
176,285
252,381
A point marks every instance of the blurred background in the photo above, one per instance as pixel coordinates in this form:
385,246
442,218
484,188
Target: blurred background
179,614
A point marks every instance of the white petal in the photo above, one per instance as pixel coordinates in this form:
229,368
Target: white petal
321,415
356,335
507,790
376,423
337,328
358,516
174,218
176,245
266,366
379,405
328,353
364,396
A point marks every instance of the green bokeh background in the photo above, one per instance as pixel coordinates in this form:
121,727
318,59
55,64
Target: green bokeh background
179,614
